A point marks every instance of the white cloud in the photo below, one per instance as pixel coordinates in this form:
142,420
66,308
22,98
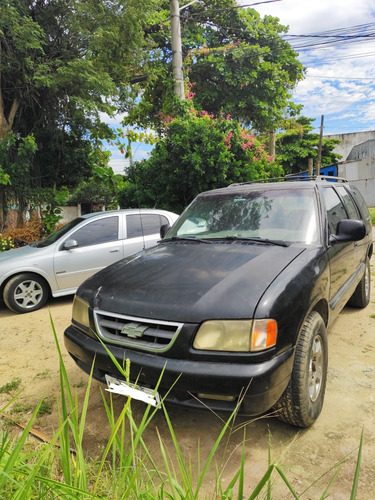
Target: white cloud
340,80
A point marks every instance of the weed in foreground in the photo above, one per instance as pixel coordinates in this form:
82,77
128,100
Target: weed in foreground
10,386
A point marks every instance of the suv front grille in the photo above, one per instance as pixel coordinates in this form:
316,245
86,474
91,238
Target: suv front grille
150,335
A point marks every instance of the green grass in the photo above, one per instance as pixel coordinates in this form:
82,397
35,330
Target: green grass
10,386
372,213
125,467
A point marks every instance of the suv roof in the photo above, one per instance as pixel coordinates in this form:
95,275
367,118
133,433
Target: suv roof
293,178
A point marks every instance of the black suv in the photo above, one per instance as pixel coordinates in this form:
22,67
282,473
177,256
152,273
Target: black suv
233,304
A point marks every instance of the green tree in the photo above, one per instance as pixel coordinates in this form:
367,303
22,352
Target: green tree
236,63
297,143
198,153
62,63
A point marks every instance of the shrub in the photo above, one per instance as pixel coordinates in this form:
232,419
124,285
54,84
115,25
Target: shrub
25,234
6,243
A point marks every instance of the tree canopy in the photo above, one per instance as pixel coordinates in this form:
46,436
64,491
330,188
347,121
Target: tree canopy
62,63
298,143
236,63
65,62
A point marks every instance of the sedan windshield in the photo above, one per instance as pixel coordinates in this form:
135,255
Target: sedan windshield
51,238
288,215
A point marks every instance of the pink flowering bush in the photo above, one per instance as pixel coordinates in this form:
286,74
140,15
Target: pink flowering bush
197,153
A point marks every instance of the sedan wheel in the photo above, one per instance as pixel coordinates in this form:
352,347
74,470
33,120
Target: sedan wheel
25,293
302,402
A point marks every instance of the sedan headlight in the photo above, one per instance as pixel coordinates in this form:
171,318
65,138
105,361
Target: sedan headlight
80,315
236,335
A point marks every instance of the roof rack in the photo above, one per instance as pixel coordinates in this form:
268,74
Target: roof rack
293,177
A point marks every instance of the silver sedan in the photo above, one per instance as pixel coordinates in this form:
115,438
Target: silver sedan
58,264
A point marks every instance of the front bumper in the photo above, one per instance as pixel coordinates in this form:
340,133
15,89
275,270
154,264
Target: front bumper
218,385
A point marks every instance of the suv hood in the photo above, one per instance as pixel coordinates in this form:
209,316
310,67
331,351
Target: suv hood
189,282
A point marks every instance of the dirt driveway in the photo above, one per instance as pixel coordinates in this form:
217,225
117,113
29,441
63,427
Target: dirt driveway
28,352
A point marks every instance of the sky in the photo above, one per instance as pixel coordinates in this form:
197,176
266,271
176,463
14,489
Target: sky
340,76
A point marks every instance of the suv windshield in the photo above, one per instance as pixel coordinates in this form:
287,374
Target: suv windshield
288,215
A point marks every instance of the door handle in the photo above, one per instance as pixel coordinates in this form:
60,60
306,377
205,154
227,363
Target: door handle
116,250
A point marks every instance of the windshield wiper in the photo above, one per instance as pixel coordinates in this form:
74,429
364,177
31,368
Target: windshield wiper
256,239
186,238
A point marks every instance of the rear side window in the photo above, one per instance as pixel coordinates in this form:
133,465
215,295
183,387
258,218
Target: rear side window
348,203
98,231
138,225
335,208
360,201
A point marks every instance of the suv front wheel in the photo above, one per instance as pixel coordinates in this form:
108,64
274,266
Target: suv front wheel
302,401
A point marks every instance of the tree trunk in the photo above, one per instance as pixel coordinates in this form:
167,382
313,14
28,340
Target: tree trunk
6,122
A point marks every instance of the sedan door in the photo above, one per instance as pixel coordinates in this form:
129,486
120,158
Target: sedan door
87,250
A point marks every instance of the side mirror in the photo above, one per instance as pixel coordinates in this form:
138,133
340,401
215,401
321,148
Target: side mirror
164,229
69,244
348,230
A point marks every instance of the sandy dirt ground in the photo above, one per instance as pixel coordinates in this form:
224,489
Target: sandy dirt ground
28,352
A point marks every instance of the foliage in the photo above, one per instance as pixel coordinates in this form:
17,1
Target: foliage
50,217
6,243
61,65
372,213
198,153
26,233
93,193
126,468
236,63
297,143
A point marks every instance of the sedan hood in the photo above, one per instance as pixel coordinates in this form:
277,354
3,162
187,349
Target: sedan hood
190,281
23,255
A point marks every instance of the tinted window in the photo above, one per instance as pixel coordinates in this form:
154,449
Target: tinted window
348,202
360,201
335,209
98,231
144,225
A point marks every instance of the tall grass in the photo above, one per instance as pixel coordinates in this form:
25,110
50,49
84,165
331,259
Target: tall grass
126,468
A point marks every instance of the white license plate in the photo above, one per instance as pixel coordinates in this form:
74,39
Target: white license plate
133,391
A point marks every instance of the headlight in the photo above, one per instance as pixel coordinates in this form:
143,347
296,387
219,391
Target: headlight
80,315
236,335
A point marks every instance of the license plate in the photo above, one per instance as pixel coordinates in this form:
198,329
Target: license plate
133,391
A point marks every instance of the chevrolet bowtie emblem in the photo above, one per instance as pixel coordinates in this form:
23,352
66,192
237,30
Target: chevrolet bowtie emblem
134,330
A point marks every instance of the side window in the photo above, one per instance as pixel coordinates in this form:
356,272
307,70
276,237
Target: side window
98,231
360,201
144,225
335,209
348,202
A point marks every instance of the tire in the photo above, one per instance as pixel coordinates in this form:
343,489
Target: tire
26,293
302,401
361,295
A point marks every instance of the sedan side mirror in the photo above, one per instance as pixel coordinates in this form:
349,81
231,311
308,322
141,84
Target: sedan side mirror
69,244
348,230
164,229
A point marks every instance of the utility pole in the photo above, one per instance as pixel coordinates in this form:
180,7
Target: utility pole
319,159
178,75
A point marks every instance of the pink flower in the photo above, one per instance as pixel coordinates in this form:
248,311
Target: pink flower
227,139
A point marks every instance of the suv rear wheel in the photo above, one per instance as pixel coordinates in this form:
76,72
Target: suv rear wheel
302,401
361,295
